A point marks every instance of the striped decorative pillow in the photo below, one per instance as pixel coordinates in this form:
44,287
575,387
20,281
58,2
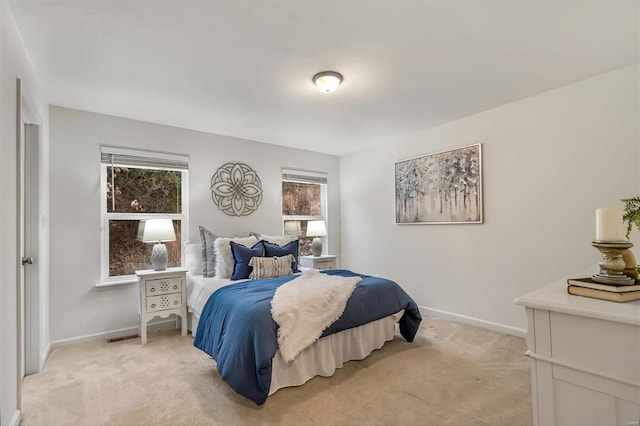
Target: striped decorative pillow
269,267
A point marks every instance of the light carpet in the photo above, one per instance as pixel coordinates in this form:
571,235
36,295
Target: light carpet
452,374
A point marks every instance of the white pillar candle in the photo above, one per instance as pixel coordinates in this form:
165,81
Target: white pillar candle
609,224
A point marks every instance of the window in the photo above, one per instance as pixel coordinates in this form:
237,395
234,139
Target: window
136,186
304,198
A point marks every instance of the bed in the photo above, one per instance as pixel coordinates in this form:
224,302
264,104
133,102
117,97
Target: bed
231,321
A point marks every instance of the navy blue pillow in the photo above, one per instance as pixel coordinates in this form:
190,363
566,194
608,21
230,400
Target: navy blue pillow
271,249
242,255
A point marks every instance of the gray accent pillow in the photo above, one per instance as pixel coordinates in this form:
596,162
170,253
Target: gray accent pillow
208,252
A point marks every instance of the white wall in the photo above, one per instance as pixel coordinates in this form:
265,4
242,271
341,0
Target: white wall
13,65
549,162
77,307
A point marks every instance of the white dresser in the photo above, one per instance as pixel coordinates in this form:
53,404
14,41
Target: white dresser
585,358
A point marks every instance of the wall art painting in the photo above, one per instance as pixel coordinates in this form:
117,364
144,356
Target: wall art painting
441,188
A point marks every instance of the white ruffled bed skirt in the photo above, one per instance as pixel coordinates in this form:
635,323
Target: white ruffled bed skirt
327,354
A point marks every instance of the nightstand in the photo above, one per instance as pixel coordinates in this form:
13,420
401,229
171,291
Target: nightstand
162,293
326,261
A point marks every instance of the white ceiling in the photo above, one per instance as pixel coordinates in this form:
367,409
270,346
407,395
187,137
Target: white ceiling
243,67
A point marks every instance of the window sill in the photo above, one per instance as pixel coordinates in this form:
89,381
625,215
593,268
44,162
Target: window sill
130,279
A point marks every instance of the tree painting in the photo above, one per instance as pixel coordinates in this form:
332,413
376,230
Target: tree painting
440,188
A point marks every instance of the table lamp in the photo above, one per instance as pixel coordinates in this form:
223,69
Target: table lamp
317,229
158,231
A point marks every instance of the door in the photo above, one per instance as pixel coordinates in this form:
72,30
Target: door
30,291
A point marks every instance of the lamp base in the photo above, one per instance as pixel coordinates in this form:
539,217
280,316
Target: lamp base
316,247
159,257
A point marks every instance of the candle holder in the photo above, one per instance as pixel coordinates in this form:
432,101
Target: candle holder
611,263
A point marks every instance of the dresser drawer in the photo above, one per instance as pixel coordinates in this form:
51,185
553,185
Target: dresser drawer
163,286
164,301
607,348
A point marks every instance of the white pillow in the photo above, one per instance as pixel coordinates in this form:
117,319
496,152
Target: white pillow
193,257
224,257
281,240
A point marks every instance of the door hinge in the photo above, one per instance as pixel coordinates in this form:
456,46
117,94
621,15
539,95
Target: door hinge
27,260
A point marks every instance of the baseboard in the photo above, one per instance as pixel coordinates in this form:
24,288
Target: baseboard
15,420
500,328
45,356
121,332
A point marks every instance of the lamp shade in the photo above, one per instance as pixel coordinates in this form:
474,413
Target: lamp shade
292,227
158,230
316,228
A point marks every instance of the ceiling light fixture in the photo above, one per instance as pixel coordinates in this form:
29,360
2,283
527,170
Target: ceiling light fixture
327,81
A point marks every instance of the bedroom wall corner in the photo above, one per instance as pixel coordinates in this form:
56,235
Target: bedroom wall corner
548,162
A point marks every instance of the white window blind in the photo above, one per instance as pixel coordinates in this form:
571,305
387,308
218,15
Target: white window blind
143,159
303,176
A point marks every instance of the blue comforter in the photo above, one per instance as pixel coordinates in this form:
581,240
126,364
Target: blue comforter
237,330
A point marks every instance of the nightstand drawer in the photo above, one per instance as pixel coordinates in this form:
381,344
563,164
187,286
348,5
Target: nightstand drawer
163,286
329,264
164,301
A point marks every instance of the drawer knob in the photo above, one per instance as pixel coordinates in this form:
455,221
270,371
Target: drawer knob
153,289
175,302
175,286
153,305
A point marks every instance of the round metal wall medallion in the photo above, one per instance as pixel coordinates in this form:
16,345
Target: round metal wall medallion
236,189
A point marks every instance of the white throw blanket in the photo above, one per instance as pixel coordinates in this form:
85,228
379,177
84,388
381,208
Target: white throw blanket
304,307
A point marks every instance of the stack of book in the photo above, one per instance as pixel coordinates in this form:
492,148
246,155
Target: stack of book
615,292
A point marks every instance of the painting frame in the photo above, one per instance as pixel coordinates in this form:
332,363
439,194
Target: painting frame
441,188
